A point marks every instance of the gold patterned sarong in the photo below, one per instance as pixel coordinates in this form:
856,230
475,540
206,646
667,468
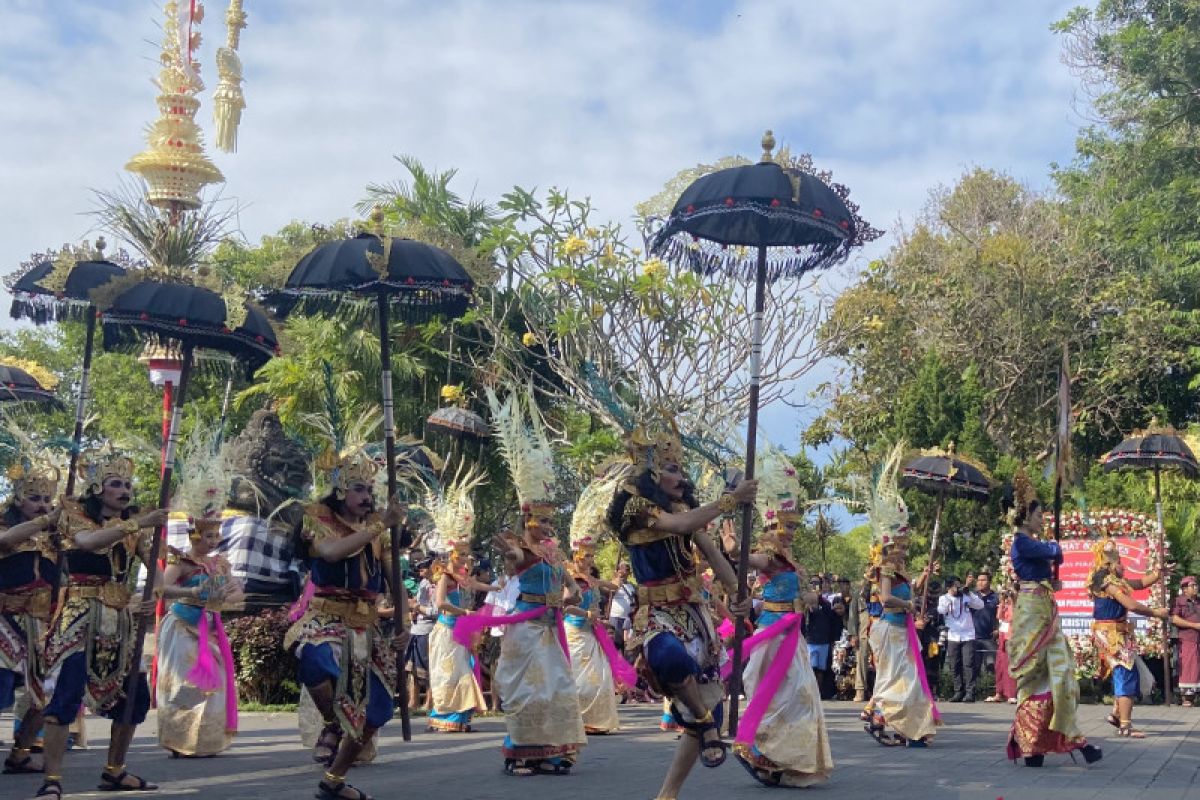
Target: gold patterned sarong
538,691
899,696
451,679
190,721
1042,664
593,680
791,738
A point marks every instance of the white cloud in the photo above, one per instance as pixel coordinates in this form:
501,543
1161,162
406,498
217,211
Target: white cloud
606,98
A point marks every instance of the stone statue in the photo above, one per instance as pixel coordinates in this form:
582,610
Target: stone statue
269,469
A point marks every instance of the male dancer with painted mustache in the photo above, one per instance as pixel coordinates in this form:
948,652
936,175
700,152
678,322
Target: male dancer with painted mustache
89,649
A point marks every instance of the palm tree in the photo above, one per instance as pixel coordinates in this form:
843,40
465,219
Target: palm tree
428,200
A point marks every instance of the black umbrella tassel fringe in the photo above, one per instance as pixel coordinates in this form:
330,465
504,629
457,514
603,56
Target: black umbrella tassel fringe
709,259
45,311
132,340
363,310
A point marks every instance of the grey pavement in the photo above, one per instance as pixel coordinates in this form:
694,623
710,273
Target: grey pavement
966,761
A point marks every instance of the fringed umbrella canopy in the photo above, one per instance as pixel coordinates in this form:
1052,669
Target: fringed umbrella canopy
34,301
1161,448
459,423
946,474
187,316
420,281
723,218
18,386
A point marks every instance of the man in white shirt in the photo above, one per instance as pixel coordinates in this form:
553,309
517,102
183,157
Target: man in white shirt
955,607
621,606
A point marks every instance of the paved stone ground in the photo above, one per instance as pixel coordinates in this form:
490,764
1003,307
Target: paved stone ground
967,761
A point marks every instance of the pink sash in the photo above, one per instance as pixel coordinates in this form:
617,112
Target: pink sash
466,626
203,675
788,627
623,674
914,649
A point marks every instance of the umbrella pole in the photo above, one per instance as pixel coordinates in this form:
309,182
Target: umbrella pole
933,543
225,405
89,344
1162,557
739,629
164,499
399,595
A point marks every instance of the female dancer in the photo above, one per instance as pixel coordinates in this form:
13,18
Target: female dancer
533,674
453,677
1039,656
782,740
902,699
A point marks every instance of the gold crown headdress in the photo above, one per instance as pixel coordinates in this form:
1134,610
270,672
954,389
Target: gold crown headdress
345,461
1105,552
453,511
652,448
1024,493
525,447
887,510
98,464
204,477
35,469
780,495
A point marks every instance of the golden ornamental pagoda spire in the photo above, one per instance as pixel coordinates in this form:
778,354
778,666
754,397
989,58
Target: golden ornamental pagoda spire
174,165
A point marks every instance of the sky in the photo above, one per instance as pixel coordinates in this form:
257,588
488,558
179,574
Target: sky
606,98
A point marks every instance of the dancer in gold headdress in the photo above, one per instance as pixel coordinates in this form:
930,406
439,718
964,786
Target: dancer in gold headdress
452,676
902,700
658,520
782,739
26,567
1113,632
196,692
1039,656
533,674
346,663
89,648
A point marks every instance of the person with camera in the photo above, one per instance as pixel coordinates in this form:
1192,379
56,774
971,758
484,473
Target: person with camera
956,607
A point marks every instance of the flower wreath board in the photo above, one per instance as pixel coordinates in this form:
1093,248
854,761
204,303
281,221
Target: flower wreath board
1136,536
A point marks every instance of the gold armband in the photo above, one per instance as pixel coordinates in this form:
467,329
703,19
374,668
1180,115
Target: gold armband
130,526
376,528
726,504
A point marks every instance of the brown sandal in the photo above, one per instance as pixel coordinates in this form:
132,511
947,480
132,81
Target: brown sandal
1129,732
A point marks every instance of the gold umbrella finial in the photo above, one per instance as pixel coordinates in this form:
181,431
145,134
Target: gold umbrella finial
768,144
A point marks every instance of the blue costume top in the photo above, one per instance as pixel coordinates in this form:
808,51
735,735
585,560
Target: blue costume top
189,613
359,574
903,591
1105,608
540,579
1032,560
783,587
585,602
453,597
25,568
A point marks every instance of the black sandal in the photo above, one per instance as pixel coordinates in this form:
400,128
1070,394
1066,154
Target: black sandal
330,739
518,769
548,767
1112,719
878,731
324,792
25,766
116,783
50,789
764,776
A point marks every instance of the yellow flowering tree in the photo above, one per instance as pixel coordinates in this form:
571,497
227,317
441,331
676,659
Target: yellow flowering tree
618,329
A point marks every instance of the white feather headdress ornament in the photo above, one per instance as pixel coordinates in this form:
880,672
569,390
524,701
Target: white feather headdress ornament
588,523
204,478
887,510
525,447
452,509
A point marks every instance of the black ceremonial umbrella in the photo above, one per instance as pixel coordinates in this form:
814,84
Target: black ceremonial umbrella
37,302
794,223
944,474
182,318
18,386
1155,449
377,274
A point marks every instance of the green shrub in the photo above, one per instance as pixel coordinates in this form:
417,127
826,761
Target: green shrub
266,673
